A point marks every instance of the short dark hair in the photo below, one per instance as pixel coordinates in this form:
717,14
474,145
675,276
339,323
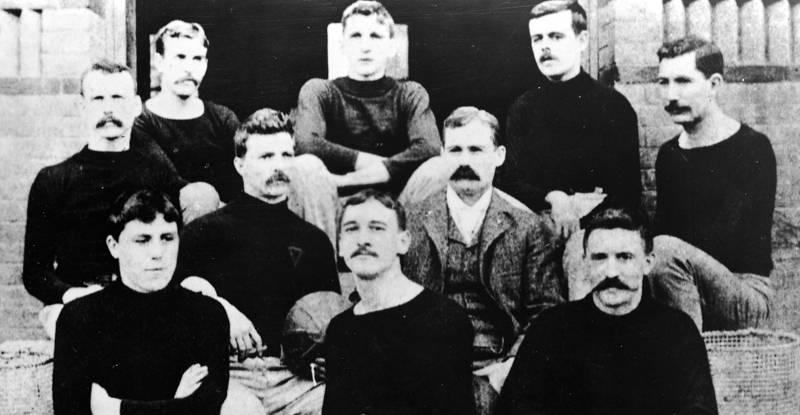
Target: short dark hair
108,67
179,29
620,218
708,57
264,122
465,115
368,8
142,205
384,198
556,6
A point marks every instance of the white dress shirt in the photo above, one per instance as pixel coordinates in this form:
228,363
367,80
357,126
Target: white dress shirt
468,219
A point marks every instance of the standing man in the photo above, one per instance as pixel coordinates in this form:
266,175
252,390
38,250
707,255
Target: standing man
69,203
403,349
616,351
195,135
716,195
258,258
367,128
492,258
572,142
141,346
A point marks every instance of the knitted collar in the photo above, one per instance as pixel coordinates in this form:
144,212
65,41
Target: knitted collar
365,89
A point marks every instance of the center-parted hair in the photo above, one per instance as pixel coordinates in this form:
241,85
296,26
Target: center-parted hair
142,205
465,115
382,197
265,121
708,57
620,218
177,29
108,67
369,8
556,6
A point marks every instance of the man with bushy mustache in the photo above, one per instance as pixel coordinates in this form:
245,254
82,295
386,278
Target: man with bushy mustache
69,203
493,258
615,351
194,134
257,258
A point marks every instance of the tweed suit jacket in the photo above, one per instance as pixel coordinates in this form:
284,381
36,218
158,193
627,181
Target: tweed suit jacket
518,264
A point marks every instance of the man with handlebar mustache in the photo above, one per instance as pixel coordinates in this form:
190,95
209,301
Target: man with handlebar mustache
490,255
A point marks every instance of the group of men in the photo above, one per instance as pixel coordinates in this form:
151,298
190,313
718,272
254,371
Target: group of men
461,289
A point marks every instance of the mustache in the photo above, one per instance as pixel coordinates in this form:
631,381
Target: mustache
674,107
546,55
465,173
108,119
362,250
278,176
611,283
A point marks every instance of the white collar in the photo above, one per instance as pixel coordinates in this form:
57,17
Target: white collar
468,218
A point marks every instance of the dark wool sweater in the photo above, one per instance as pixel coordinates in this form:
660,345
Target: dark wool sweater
68,209
201,149
571,136
337,119
411,359
720,198
137,346
578,360
261,258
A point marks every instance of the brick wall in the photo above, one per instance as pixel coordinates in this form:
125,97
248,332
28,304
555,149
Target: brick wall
45,46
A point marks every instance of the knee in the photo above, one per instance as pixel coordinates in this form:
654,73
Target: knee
199,285
197,199
241,402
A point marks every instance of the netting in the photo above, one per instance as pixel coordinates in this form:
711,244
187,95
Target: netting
755,371
26,378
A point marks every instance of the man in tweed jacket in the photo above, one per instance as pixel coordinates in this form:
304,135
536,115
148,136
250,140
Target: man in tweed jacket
483,250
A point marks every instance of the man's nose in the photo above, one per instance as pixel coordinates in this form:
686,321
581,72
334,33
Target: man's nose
611,269
670,91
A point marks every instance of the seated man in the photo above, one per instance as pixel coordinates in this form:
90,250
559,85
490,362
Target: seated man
572,142
367,128
195,135
492,258
140,346
716,185
69,203
616,351
403,349
259,259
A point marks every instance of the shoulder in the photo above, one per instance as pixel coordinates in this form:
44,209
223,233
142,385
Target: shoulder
210,224
87,310
524,219
671,320
412,88
305,232
220,111
670,147
439,311
754,140
339,324
522,102
200,306
317,86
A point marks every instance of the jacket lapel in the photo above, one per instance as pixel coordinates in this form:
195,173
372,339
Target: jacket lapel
435,223
495,223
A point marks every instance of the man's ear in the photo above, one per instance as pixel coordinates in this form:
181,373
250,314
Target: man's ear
583,38
137,105
650,262
158,61
500,154
238,164
716,81
405,242
113,246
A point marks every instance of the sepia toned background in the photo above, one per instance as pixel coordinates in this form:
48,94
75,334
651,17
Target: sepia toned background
464,52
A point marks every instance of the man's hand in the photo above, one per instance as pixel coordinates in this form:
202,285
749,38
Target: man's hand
371,174
497,373
366,159
583,203
78,292
191,380
563,213
318,370
101,403
245,340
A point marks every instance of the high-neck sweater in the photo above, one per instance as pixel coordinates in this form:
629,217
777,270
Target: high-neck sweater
137,346
720,198
577,359
201,149
338,119
68,208
572,136
261,258
414,358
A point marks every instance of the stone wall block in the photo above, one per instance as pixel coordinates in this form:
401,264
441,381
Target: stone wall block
725,28
30,62
9,43
66,64
10,274
69,20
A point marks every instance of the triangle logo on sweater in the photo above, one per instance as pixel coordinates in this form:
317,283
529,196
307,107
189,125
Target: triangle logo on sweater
296,253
